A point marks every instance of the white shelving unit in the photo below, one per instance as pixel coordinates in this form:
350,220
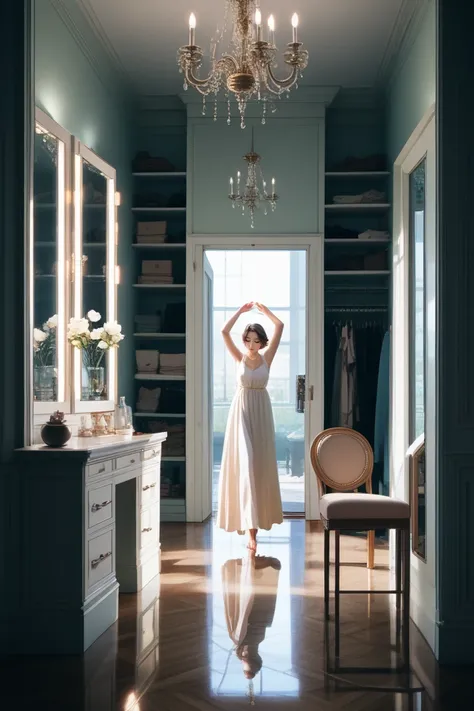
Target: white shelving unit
172,508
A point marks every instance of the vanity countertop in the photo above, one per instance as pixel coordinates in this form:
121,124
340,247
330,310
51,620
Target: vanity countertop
95,447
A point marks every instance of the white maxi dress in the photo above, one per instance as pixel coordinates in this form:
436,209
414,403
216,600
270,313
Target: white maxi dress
249,490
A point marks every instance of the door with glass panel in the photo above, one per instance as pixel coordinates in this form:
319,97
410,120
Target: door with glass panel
278,279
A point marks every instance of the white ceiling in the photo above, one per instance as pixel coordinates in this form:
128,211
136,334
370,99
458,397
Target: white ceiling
348,40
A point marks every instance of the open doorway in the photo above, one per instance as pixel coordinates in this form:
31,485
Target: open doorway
276,278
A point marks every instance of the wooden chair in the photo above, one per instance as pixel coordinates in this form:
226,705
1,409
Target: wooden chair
343,462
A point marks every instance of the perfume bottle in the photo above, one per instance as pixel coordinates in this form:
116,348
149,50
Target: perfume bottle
121,416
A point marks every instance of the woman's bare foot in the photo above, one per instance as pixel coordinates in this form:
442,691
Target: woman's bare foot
252,544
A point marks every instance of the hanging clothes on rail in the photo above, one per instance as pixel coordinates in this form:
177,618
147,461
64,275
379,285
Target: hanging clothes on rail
381,438
344,399
351,366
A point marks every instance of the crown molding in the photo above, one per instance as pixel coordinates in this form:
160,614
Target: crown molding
404,33
92,41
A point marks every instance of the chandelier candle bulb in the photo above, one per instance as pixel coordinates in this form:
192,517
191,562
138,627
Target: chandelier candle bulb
231,184
271,28
192,30
258,22
294,23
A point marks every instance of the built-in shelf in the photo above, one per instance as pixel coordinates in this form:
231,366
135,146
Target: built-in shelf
159,286
45,276
357,272
171,500
358,242
159,335
357,173
163,245
158,376
101,277
157,415
359,207
102,245
173,459
160,174
159,209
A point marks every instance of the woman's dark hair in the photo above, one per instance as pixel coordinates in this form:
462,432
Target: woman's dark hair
258,330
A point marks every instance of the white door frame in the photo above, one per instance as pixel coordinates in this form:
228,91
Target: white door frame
421,144
314,409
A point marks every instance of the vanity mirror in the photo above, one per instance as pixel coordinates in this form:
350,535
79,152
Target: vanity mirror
94,278
48,254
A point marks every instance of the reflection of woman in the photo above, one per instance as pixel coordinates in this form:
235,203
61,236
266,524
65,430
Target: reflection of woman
250,592
249,490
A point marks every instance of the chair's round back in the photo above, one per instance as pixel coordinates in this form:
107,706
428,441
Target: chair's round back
342,459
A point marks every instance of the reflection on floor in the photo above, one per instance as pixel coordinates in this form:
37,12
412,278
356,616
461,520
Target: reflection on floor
221,631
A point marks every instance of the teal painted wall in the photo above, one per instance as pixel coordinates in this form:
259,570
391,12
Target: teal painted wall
290,149
412,89
77,87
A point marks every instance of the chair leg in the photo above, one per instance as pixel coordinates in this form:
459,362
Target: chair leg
337,571
326,572
406,598
370,550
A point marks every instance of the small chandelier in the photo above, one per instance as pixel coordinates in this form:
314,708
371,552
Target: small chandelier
247,69
252,195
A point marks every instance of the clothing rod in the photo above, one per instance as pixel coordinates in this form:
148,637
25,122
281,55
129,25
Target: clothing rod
355,309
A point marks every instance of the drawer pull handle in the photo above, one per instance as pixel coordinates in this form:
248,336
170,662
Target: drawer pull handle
148,486
147,530
98,507
132,461
102,557
101,470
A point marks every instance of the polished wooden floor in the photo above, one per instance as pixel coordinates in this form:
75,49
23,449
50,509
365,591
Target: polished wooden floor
220,630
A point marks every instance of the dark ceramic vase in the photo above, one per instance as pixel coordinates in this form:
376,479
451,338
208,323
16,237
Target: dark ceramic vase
55,435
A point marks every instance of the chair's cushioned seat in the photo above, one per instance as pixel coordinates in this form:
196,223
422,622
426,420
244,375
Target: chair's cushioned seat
362,506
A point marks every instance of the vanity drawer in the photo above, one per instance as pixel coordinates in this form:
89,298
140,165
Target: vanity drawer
148,487
150,454
100,504
99,468
149,527
100,557
129,460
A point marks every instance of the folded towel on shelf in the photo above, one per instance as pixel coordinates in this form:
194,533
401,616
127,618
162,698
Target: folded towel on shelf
148,399
147,361
374,234
369,197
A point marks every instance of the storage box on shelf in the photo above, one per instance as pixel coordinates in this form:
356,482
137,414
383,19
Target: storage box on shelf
160,325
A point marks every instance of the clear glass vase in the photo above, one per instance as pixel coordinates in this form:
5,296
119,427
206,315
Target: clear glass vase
95,383
44,383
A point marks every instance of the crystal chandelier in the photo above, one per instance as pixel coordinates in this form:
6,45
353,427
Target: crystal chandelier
252,195
246,70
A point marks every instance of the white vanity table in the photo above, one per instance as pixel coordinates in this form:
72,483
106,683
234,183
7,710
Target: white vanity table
90,522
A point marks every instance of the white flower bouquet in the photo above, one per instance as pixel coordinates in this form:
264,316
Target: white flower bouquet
44,343
94,341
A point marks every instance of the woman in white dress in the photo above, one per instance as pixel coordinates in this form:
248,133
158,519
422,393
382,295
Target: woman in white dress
249,490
